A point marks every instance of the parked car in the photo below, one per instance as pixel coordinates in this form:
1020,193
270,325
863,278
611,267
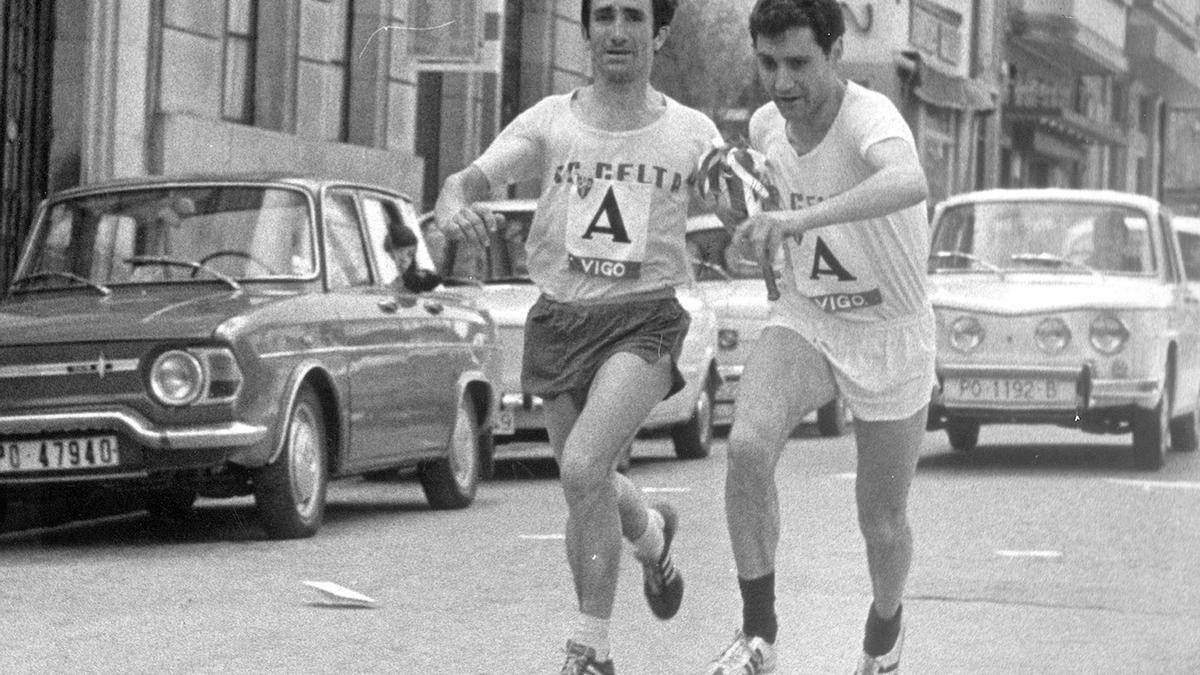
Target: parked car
233,335
506,291
1065,307
733,285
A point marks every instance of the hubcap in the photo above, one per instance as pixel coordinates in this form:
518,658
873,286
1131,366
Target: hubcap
304,459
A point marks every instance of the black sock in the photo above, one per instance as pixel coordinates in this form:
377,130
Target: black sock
880,634
758,607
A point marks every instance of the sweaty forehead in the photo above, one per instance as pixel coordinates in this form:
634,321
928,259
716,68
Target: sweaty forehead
645,6
792,43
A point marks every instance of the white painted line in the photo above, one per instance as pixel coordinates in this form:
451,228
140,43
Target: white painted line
543,537
1150,484
667,489
1004,553
850,475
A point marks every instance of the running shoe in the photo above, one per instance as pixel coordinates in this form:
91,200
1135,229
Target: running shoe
888,664
663,583
745,656
581,660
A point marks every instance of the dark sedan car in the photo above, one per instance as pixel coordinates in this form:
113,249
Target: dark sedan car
224,336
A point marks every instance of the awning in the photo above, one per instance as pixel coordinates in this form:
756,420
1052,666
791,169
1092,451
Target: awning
948,91
1067,123
945,90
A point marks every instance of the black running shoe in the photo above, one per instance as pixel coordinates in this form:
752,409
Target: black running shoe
661,581
581,660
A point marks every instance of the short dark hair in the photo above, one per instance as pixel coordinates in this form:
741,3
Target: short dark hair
772,18
664,13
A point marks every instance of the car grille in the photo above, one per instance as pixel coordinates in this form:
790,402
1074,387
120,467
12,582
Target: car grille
44,377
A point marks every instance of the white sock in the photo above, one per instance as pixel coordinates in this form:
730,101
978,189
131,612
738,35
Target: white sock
592,632
648,547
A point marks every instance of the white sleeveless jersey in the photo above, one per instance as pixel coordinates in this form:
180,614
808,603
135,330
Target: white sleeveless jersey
612,214
867,271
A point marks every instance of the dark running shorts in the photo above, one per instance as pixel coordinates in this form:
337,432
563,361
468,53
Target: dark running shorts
566,344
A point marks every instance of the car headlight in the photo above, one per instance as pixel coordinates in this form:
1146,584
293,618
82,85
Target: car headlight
966,333
177,378
1052,335
1108,334
727,339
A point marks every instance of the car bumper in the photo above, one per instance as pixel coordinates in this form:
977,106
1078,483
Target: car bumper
1082,395
146,448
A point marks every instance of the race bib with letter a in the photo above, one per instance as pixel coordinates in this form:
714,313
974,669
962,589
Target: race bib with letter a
607,229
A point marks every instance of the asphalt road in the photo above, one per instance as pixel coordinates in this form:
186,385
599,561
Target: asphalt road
1041,553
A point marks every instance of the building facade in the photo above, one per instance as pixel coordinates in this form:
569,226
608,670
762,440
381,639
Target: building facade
1077,93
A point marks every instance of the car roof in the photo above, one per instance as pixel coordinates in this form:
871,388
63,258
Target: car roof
313,182
1114,197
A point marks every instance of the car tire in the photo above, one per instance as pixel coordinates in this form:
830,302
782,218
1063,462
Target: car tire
170,504
1151,429
289,493
3,508
693,439
487,454
1184,435
963,433
831,418
450,482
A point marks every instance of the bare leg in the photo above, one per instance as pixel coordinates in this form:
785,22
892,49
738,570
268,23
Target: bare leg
784,379
622,395
887,461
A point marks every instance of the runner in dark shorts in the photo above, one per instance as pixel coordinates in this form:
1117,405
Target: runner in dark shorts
566,343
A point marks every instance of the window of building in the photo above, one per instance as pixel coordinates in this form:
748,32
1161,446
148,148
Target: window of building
936,31
237,104
323,82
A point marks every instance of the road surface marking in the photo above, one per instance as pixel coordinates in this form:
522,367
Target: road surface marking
1005,553
1150,484
667,489
849,475
543,537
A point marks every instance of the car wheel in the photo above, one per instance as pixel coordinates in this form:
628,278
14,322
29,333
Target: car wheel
963,433
831,418
1185,434
3,508
450,482
170,504
693,438
290,492
1151,428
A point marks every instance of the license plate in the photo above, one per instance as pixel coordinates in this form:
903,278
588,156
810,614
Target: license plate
83,452
1009,391
505,423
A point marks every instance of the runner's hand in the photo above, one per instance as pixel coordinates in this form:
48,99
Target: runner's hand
759,237
473,224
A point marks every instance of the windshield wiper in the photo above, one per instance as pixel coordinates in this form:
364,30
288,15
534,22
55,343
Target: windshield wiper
974,259
1050,258
38,276
190,264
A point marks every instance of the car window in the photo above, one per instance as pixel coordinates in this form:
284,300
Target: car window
1189,245
345,257
245,232
1070,237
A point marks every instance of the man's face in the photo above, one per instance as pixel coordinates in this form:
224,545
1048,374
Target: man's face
796,73
403,257
622,39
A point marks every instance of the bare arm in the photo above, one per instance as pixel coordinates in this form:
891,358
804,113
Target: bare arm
896,183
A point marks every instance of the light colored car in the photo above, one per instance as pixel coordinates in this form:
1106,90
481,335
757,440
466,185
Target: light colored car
734,287
507,293
1187,228
1066,307
234,335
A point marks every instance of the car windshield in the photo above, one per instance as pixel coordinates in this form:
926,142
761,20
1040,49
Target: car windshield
1068,237
167,235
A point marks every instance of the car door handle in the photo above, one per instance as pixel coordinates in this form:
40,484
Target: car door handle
434,307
